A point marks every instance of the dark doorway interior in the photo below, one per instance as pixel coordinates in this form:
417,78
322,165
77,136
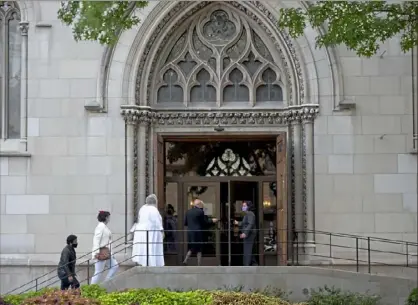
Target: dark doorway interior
234,193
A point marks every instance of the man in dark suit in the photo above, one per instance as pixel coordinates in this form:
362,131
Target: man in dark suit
248,232
196,222
66,266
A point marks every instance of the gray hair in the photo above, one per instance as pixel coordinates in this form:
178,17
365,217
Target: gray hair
151,200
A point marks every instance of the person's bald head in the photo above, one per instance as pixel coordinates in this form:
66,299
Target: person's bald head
198,203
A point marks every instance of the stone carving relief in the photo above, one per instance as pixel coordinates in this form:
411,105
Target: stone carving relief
139,115
291,64
218,58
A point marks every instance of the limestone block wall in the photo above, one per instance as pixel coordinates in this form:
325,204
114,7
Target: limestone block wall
76,162
365,168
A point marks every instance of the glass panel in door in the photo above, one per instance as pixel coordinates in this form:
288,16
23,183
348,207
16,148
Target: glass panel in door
209,194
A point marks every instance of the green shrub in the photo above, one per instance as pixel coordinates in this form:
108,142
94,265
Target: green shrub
243,298
155,296
332,296
92,291
96,295
413,297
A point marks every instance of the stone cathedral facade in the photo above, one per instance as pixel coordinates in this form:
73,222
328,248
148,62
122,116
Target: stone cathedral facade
80,123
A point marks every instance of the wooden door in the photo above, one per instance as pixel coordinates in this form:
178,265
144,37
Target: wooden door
282,229
159,172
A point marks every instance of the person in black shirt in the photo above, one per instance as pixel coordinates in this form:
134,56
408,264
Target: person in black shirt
196,222
66,266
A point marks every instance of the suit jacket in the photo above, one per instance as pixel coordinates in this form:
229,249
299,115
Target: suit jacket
102,238
248,224
195,220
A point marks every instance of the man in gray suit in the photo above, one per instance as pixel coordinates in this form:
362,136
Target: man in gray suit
248,232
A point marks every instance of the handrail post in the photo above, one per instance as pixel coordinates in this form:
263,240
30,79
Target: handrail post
407,255
147,248
357,254
36,285
297,251
368,255
88,272
330,245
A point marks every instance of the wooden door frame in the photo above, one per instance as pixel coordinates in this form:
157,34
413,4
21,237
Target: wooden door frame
225,137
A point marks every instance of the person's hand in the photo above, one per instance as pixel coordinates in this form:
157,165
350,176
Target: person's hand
215,219
70,278
236,222
243,235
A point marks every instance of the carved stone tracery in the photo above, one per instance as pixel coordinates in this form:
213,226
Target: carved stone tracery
218,58
295,91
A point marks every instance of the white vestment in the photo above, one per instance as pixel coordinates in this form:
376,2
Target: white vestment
149,219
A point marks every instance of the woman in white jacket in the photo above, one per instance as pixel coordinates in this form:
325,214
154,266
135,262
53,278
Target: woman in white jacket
102,242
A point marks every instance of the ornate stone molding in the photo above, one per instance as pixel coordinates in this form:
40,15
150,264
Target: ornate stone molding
291,65
146,115
24,27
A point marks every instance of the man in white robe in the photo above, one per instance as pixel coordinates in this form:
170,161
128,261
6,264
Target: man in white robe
148,251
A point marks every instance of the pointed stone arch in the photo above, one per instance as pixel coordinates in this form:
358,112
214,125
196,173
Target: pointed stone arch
172,43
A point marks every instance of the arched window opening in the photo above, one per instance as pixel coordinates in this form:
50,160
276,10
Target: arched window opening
220,55
269,91
10,69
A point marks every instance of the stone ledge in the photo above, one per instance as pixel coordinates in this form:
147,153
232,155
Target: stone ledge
16,154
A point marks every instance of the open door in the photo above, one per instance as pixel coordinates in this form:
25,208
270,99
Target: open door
159,179
240,191
281,168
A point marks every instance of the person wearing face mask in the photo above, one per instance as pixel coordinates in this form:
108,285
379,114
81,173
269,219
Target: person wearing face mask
66,265
247,228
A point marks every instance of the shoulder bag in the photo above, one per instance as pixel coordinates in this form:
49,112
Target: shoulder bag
104,252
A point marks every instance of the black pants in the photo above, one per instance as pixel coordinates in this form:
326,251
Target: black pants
248,244
65,283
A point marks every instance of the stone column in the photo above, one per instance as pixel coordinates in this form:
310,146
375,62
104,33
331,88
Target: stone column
310,191
130,131
143,133
142,158
298,174
24,27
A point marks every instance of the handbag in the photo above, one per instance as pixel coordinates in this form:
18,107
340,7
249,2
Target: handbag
104,252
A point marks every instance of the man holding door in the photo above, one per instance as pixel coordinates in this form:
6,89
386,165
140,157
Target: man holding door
196,222
248,232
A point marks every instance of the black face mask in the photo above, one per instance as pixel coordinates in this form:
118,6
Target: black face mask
75,245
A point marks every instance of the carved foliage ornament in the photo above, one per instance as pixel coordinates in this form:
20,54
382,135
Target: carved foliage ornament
174,79
139,115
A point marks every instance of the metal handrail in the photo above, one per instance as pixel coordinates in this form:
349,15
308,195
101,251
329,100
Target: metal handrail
293,259
55,270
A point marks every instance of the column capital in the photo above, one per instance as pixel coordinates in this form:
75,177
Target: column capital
309,114
134,114
24,28
299,114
